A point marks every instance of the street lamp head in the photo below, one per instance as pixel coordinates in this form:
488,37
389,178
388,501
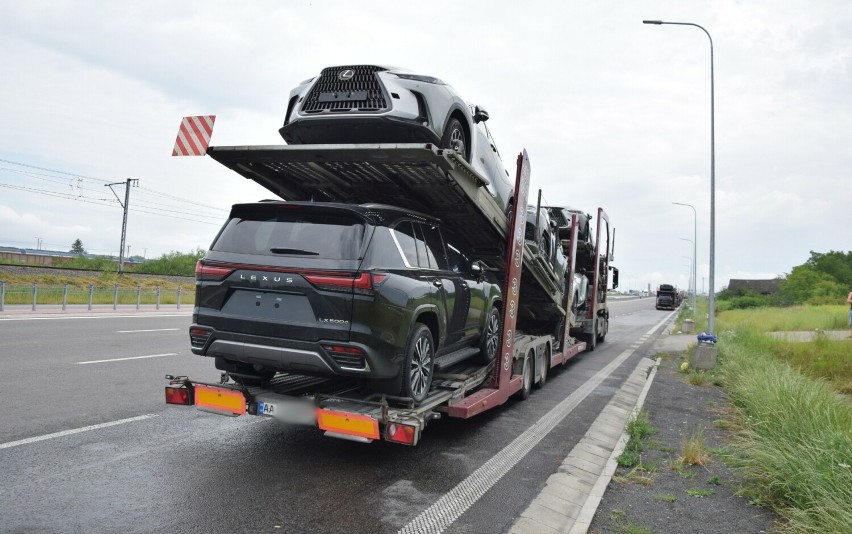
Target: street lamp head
657,22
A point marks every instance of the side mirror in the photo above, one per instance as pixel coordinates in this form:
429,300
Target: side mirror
480,115
614,277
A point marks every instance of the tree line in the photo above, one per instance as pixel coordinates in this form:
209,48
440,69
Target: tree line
825,278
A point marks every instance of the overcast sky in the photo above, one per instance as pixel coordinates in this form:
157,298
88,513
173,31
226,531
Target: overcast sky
613,113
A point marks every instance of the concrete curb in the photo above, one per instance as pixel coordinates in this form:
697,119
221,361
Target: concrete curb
571,496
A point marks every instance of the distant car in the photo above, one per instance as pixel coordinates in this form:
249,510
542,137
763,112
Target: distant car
378,104
374,293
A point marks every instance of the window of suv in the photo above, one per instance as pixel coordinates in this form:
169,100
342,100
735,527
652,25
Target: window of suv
275,231
434,247
405,238
458,261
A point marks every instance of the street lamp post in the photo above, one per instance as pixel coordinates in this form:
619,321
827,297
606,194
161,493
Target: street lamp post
711,304
694,255
692,274
690,283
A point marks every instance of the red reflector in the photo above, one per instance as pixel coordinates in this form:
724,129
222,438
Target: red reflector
179,395
195,331
400,433
341,348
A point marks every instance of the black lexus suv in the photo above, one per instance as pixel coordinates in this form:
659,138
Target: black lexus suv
369,291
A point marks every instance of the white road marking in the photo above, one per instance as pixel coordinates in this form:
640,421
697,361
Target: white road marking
27,441
130,358
4,318
453,504
154,330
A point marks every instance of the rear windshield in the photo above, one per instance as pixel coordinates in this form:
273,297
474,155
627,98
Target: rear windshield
320,234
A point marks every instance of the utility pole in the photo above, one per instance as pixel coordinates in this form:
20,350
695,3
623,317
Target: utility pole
124,220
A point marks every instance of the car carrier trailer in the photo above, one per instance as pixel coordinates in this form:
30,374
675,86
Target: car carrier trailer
439,182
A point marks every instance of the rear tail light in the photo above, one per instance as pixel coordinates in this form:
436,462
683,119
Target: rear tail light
179,391
400,433
209,272
178,395
359,283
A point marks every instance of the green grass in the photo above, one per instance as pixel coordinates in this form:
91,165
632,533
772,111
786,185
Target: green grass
694,452
639,428
697,492
51,289
622,525
822,359
796,439
831,317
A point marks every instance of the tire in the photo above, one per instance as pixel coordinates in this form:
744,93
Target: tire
592,339
490,343
455,139
419,364
542,379
601,338
526,387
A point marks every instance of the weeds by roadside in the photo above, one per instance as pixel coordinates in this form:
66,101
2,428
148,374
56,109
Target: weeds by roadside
796,442
638,429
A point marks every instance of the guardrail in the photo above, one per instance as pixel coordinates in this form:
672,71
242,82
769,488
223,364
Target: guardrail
65,295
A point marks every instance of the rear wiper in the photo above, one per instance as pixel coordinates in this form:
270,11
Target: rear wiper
278,250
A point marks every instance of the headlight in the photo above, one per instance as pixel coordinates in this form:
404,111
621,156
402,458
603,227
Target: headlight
419,78
309,80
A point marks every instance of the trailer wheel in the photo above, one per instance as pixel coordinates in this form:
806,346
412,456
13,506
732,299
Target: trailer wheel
455,138
592,339
601,337
545,368
490,337
419,364
527,380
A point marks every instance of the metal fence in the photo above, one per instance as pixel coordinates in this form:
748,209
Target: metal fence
64,295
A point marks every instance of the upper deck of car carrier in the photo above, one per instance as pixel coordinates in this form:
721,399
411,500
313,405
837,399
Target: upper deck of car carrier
421,177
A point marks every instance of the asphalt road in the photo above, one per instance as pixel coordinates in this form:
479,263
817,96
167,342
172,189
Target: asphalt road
88,445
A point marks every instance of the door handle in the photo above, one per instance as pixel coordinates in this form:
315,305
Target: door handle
437,283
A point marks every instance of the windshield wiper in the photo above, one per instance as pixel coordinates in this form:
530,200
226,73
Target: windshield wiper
278,250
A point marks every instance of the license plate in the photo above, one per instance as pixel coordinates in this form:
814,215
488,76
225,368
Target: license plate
343,96
265,408
289,411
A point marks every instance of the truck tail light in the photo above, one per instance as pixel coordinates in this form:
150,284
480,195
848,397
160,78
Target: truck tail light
209,272
178,395
400,433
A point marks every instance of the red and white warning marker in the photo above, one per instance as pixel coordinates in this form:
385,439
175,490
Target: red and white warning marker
194,135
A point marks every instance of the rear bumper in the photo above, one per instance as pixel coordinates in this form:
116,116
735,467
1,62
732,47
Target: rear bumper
294,356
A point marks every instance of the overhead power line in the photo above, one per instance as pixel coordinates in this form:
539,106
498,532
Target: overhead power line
76,191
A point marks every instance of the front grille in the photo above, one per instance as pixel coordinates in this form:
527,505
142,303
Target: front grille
362,92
